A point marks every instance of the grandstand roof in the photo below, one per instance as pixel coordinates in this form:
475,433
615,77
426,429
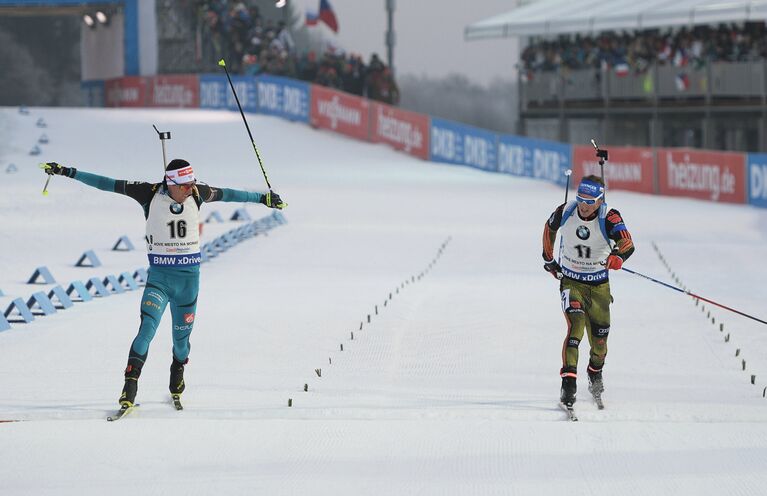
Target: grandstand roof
551,17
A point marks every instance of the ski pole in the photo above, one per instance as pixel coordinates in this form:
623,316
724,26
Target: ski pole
694,295
222,63
568,172
163,136
602,155
45,188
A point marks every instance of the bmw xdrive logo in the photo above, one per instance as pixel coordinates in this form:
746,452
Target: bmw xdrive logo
583,232
176,208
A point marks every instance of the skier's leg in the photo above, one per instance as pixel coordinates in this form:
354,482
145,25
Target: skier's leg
183,309
153,303
599,329
573,305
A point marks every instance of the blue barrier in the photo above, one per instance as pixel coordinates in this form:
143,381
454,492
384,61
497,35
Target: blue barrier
111,281
64,300
88,259
241,214
98,287
141,276
215,92
11,169
79,288
128,281
41,123
1,293
43,139
757,179
214,215
35,151
455,143
4,324
123,244
92,93
42,302
44,273
23,310
533,158
286,98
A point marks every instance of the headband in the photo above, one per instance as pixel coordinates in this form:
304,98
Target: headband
180,176
590,188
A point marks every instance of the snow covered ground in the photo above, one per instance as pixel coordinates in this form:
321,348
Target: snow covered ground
452,387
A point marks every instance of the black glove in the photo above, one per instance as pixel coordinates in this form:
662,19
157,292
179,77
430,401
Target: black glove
273,200
553,268
52,168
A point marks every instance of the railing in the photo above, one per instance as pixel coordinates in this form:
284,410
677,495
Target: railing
658,82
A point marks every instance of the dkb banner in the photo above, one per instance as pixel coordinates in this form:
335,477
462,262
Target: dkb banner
538,159
456,143
215,93
282,97
757,179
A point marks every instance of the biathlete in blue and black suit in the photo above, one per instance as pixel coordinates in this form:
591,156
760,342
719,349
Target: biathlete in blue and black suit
172,212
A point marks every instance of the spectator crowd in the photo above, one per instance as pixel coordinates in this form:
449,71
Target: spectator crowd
253,45
637,51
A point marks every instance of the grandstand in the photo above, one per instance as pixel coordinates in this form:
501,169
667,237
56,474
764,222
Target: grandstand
653,73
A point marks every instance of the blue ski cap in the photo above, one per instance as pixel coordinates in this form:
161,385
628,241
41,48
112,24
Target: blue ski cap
590,188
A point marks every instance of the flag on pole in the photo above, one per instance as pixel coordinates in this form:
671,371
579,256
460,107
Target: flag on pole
325,15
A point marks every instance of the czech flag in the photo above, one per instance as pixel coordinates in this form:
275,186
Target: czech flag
325,15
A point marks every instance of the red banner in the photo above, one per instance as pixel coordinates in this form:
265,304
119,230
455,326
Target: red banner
406,131
339,112
174,91
628,168
129,91
714,176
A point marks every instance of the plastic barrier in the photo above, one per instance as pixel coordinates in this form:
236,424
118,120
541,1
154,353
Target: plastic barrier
713,176
123,244
214,216
111,281
241,214
22,309
82,292
455,143
58,293
128,281
97,286
403,130
44,273
88,259
538,159
285,98
41,301
340,112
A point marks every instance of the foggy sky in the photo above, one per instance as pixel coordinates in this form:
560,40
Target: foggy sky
429,36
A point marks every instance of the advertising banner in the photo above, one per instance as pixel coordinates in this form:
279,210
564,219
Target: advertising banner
129,91
340,112
538,159
406,131
628,168
706,175
92,93
215,93
757,179
457,143
174,91
282,97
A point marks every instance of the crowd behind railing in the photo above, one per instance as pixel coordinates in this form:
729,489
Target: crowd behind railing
639,50
253,45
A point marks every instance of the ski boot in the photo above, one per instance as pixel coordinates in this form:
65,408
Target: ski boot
132,373
177,384
567,393
596,386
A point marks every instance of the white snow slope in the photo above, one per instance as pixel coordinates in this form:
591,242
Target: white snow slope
451,389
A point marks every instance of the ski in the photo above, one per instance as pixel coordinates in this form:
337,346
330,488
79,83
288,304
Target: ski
122,412
570,412
177,401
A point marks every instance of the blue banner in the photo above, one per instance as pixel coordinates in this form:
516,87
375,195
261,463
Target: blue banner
92,93
460,144
215,93
286,98
538,159
757,179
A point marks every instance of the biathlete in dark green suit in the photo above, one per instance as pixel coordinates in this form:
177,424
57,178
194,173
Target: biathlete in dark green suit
172,212
593,241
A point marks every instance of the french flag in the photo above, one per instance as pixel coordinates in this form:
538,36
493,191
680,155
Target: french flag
325,15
